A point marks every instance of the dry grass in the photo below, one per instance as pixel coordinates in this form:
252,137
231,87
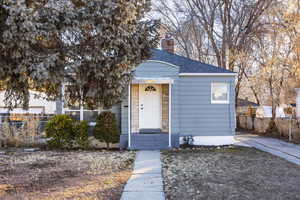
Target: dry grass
228,173
64,174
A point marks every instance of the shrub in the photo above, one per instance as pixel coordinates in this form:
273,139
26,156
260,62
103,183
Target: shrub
81,134
106,129
60,131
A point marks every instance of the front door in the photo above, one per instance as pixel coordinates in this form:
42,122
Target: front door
149,106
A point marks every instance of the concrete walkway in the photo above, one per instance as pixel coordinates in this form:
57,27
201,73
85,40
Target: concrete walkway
146,183
288,151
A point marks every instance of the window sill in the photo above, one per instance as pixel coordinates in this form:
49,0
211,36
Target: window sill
219,102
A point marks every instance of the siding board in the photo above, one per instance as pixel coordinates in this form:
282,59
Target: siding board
198,116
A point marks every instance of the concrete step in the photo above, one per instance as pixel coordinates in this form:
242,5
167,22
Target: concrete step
150,141
138,147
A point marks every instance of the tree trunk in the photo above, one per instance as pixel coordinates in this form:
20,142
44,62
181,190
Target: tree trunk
272,125
107,146
255,94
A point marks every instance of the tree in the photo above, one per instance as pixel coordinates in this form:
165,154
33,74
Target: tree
93,45
220,32
106,129
272,61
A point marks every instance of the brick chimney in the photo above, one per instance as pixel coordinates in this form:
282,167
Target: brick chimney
168,44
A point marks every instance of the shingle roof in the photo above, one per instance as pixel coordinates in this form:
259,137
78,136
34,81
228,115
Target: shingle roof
186,65
245,102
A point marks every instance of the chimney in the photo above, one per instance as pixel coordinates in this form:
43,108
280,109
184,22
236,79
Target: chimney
168,44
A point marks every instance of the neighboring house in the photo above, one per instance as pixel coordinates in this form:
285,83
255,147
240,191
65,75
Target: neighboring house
266,111
243,106
36,106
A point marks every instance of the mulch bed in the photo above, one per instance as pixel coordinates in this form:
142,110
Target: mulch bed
58,175
228,173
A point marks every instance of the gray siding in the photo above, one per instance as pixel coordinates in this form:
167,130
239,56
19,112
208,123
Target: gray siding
152,69
198,117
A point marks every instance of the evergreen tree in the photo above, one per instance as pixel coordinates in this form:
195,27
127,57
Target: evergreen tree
92,44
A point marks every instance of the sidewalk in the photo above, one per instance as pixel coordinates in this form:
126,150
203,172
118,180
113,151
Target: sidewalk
146,183
288,151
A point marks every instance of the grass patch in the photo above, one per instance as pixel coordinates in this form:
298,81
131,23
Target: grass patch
228,173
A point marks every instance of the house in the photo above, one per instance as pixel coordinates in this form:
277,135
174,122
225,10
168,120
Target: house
243,106
36,105
266,111
171,97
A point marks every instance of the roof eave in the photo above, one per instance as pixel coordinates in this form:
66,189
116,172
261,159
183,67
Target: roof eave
208,74
163,62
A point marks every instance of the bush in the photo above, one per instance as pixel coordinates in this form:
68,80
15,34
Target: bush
60,130
81,134
106,129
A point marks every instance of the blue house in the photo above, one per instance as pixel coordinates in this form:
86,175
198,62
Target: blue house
171,97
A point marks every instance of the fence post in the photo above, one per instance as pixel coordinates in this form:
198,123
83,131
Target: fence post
290,129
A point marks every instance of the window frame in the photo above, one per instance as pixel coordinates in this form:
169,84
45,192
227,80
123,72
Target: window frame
81,109
219,101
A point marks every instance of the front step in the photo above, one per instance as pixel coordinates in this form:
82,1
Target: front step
149,141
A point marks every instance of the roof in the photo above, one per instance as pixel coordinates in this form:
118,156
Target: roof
245,102
186,65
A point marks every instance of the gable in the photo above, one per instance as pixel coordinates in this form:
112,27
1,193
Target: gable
153,68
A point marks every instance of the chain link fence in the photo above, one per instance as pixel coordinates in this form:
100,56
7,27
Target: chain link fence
22,130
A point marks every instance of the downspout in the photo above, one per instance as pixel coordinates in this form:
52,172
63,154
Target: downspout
170,114
129,115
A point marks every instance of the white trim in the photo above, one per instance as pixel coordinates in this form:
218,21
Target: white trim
81,111
63,99
219,101
129,115
158,61
170,114
149,80
212,140
207,74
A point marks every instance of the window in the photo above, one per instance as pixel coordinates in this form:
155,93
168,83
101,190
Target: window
220,93
150,89
78,111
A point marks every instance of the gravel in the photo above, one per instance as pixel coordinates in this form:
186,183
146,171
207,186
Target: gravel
228,173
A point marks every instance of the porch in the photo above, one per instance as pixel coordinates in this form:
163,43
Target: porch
149,114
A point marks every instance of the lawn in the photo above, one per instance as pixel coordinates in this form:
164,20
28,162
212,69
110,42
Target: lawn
228,173
64,174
